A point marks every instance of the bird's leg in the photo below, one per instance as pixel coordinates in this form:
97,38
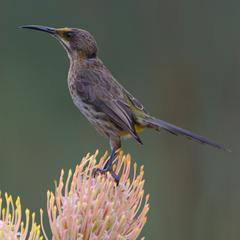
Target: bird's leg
108,167
109,163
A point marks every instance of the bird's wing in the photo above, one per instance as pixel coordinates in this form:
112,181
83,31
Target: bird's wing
98,88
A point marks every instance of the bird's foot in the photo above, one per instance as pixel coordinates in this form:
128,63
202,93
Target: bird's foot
108,167
105,170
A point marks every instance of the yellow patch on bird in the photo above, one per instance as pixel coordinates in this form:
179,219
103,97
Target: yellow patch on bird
61,31
139,128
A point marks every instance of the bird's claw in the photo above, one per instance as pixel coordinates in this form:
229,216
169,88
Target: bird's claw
105,170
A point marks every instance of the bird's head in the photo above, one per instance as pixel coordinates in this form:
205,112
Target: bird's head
77,42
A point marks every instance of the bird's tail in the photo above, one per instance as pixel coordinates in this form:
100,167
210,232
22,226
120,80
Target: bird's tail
158,124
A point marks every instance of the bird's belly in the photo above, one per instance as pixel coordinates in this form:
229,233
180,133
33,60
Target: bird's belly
98,119
85,108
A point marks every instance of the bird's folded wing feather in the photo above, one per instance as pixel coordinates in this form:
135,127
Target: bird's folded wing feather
99,89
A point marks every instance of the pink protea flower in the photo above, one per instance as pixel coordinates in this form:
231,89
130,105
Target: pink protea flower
95,208
11,227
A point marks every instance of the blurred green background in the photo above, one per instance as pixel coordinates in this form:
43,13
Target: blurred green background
180,58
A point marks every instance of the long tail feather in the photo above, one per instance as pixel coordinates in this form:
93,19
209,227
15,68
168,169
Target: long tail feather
160,124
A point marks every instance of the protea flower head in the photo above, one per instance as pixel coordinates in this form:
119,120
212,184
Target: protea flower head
85,207
11,225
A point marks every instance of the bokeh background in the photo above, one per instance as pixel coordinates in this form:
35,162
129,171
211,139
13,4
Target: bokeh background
180,58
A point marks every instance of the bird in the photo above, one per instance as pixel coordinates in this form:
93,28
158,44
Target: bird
108,106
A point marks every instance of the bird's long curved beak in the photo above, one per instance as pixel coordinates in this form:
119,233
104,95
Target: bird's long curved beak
54,32
40,28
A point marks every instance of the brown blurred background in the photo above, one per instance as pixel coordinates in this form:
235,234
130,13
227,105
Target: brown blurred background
180,58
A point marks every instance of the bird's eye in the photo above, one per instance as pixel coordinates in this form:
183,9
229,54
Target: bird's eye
68,34
93,55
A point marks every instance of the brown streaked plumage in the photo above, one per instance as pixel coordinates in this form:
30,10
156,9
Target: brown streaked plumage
111,109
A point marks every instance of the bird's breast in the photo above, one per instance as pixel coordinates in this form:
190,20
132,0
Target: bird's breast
78,101
85,107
